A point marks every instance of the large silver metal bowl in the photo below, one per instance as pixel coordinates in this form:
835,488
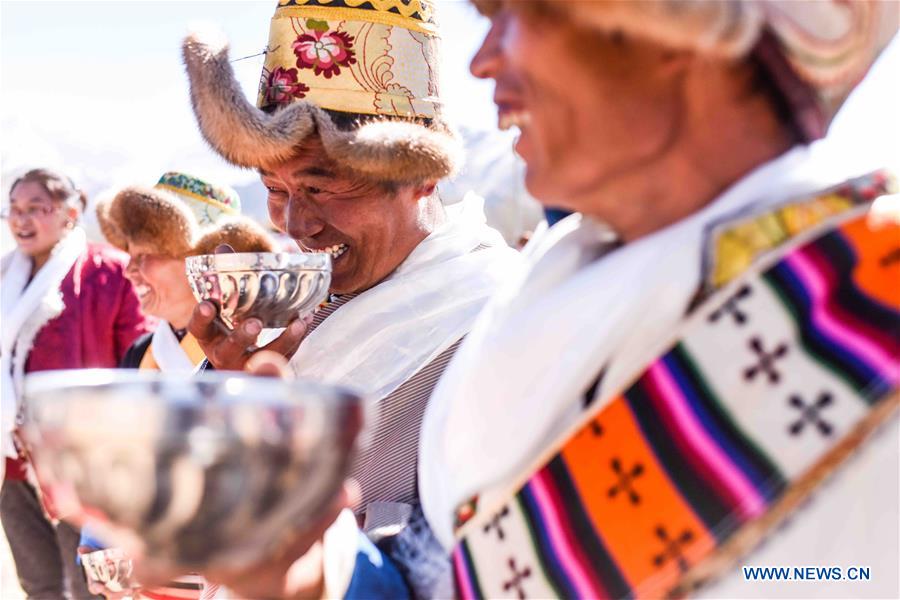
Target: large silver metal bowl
273,287
211,471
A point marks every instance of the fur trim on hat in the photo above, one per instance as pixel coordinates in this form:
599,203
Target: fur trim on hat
241,233
385,150
150,217
110,230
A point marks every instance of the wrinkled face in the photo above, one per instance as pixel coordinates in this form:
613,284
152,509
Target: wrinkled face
589,106
367,229
161,284
36,220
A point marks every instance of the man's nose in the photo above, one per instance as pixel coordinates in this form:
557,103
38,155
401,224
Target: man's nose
303,219
486,62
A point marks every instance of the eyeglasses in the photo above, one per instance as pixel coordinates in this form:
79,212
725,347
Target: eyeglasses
32,212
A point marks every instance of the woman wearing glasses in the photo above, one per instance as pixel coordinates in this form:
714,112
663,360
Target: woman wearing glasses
66,304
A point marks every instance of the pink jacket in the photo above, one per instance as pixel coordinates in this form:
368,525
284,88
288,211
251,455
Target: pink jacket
101,318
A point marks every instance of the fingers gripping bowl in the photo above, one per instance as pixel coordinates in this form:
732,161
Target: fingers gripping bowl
214,471
273,287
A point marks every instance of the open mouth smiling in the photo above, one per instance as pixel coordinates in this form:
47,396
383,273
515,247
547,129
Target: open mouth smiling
142,290
336,251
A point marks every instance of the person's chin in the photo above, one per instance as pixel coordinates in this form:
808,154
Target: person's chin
538,179
340,286
345,282
540,184
343,277
148,307
31,247
522,146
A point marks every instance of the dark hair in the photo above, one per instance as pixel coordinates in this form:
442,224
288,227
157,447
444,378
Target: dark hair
348,121
59,187
791,99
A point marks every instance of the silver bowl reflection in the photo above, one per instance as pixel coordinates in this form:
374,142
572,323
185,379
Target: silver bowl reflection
273,287
211,471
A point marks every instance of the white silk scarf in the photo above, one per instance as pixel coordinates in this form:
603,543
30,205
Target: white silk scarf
382,337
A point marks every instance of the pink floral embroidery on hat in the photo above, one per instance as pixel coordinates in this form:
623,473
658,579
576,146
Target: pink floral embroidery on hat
281,86
324,51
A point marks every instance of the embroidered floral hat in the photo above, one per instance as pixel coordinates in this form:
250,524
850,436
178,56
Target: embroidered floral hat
363,75
814,52
180,216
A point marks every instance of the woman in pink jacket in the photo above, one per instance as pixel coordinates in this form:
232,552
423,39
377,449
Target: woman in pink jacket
66,304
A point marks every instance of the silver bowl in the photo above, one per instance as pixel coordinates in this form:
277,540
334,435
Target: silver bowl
273,287
211,471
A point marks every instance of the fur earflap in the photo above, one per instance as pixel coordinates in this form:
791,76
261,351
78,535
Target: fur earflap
386,150
241,233
149,217
108,228
240,132
393,150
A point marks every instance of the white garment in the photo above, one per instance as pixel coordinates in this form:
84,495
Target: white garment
25,307
514,386
383,336
170,357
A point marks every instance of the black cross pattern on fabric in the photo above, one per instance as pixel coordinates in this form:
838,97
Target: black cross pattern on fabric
811,414
766,362
626,479
495,523
672,548
517,578
731,307
596,428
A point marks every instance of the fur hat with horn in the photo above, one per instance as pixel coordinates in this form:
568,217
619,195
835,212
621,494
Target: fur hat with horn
180,216
362,75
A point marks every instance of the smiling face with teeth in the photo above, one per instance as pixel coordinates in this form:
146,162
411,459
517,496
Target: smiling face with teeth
589,106
367,227
161,284
37,221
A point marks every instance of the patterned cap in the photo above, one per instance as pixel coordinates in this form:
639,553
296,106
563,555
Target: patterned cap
374,57
179,216
208,202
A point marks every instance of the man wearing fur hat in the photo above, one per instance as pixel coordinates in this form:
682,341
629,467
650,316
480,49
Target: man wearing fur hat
724,332
350,143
